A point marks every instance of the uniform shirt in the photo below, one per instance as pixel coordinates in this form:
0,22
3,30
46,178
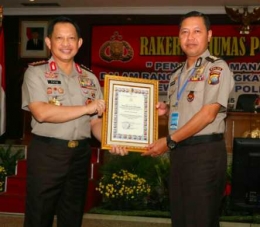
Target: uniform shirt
208,81
45,82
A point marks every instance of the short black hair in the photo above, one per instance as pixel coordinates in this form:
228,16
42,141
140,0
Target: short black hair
196,14
62,19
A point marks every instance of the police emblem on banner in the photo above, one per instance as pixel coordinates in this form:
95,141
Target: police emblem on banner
116,49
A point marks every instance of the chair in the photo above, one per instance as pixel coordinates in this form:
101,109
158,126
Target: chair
245,102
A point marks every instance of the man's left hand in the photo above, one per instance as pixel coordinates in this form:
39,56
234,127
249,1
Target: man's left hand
118,150
157,148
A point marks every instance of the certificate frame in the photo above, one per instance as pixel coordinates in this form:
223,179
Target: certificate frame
130,119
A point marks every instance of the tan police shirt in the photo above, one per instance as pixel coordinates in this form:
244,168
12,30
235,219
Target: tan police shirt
208,81
45,82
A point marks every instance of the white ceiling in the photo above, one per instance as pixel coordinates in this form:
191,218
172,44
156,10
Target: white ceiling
15,7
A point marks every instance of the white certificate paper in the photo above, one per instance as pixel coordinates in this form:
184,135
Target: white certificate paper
131,116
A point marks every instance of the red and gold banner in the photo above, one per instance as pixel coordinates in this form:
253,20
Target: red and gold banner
153,51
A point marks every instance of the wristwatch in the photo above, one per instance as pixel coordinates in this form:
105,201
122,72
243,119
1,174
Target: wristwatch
171,144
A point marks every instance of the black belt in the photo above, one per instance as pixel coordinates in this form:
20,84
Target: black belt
201,139
64,143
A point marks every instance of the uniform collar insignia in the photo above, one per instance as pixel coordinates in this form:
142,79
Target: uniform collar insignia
198,62
53,66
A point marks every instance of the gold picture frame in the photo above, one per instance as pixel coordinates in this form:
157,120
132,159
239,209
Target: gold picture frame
130,119
32,35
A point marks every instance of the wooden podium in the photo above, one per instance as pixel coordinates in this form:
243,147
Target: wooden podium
240,124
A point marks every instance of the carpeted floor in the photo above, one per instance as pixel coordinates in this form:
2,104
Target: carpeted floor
96,220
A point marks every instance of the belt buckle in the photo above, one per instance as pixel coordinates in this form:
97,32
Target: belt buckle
73,143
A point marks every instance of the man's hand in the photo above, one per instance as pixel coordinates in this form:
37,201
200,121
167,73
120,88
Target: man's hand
162,108
157,148
119,150
96,107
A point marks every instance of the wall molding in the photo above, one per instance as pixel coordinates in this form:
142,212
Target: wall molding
113,10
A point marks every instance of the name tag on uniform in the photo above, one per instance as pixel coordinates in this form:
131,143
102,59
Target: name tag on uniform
54,82
174,121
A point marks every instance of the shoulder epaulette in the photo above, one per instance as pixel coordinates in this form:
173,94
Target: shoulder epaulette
43,62
86,68
177,67
212,58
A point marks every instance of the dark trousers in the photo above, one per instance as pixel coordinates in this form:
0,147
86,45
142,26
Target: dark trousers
57,179
197,182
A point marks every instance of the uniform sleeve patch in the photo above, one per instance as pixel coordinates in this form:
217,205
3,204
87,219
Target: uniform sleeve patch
214,78
217,68
214,75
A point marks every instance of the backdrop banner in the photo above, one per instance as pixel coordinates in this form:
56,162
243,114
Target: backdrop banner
153,52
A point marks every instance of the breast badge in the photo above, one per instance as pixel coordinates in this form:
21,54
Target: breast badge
86,84
190,96
60,90
198,74
55,101
55,90
51,75
49,90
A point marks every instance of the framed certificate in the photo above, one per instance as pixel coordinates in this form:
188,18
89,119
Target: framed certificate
130,118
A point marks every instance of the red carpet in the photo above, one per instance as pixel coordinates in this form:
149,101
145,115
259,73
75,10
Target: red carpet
13,199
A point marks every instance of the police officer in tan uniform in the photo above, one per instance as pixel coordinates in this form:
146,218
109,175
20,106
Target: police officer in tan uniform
197,103
190,88
46,82
65,101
